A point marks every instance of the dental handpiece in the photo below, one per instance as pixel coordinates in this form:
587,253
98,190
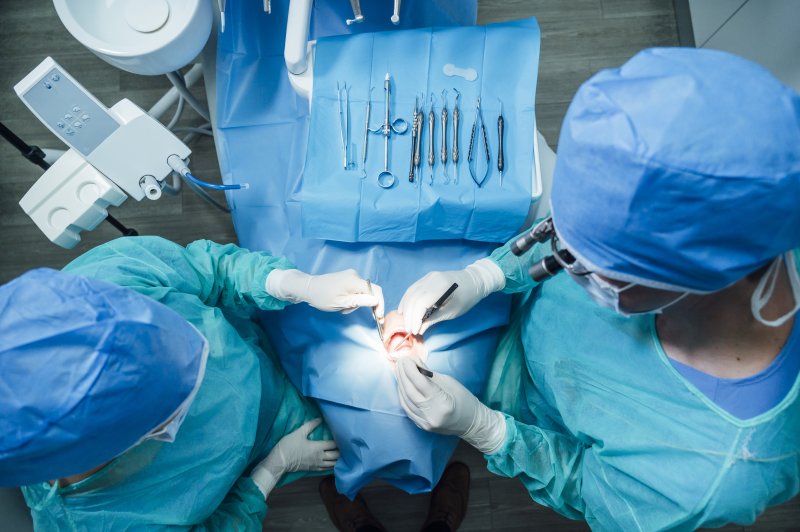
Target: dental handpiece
431,147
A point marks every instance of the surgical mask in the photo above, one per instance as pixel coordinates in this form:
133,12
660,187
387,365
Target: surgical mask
168,432
606,294
766,287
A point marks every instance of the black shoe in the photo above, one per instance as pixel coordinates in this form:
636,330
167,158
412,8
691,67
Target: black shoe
449,500
347,515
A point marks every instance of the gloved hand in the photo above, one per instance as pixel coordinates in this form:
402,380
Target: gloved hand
475,282
295,452
344,291
442,404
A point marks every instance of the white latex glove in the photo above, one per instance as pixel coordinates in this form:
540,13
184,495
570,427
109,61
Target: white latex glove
475,282
442,404
295,452
342,291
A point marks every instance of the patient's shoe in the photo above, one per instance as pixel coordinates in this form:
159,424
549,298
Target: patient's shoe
347,515
449,500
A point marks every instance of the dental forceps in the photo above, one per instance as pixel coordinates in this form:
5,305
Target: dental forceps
366,135
431,127
344,120
443,153
470,159
374,314
456,119
386,179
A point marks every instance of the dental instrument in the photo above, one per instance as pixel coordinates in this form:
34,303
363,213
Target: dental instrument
414,126
386,179
418,143
268,7
344,121
500,156
431,127
470,159
396,13
366,135
456,119
430,311
443,153
374,314
357,16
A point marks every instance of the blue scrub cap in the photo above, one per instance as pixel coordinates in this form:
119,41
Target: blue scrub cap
679,170
87,368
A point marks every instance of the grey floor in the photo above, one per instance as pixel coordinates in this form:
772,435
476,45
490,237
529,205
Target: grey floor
578,38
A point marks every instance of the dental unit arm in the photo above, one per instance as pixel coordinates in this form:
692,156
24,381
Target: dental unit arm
298,51
113,153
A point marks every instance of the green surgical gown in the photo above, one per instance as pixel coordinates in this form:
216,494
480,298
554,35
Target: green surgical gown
601,427
245,403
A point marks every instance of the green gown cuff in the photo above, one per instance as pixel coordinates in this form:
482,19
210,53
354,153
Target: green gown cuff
516,268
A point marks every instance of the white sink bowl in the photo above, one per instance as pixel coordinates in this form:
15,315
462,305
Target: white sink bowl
141,36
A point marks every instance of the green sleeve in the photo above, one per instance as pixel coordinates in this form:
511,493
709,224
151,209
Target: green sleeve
219,275
548,464
243,509
516,268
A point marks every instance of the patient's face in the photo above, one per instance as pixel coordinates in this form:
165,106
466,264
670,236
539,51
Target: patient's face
396,347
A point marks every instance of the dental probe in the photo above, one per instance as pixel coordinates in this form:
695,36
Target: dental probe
431,310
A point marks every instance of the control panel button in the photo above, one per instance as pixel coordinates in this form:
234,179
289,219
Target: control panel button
76,109
60,124
85,117
55,77
77,124
68,116
69,131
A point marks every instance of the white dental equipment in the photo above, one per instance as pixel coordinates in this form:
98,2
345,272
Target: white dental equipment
114,153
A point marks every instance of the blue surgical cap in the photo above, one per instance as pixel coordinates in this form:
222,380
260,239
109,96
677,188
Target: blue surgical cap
680,169
87,368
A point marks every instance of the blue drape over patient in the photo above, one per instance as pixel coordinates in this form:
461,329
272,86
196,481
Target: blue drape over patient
262,131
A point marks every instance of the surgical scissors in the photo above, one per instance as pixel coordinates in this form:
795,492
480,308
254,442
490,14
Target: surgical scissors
473,168
386,179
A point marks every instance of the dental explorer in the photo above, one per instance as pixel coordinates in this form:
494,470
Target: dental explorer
378,324
443,153
500,155
431,127
456,119
396,13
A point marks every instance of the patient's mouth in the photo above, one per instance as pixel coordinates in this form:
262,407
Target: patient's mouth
399,341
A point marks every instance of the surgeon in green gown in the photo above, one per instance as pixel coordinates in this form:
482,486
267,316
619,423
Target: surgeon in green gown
137,391
649,377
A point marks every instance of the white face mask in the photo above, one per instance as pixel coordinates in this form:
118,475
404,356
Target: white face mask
766,286
606,294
